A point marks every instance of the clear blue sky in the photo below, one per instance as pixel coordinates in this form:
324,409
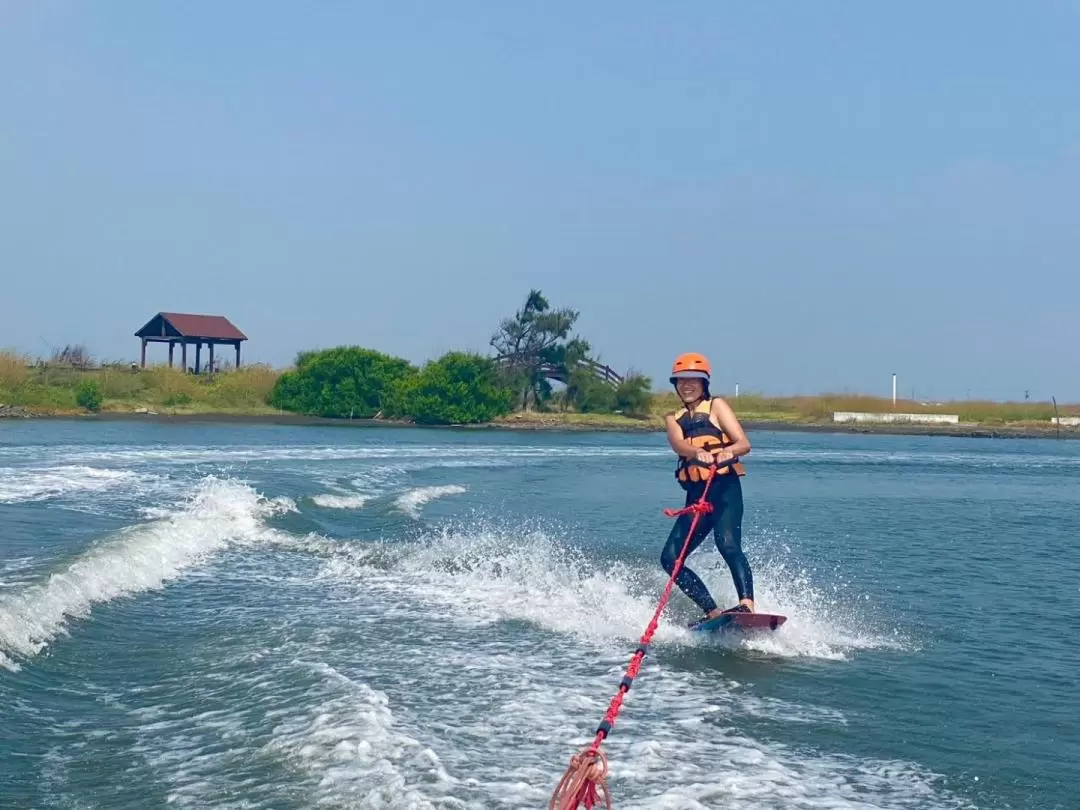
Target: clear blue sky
814,194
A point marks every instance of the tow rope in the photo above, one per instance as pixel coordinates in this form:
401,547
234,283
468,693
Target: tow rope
583,784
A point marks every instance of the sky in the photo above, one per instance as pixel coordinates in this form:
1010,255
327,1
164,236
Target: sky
815,195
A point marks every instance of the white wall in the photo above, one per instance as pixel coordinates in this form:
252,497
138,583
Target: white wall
884,418
1071,421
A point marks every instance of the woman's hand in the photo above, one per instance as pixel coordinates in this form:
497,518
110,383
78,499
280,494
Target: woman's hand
705,457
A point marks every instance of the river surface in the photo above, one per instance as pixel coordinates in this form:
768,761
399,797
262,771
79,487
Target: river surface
293,617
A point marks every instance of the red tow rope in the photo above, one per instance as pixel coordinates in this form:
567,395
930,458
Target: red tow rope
583,784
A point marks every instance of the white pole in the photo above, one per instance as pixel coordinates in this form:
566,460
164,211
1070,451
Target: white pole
736,390
894,389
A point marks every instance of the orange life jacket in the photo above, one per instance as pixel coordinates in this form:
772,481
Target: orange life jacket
699,430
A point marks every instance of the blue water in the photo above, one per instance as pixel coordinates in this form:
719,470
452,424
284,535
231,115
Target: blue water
285,617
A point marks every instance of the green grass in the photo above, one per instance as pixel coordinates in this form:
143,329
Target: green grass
51,390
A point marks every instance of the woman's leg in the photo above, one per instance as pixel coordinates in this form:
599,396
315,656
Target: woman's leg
687,580
728,508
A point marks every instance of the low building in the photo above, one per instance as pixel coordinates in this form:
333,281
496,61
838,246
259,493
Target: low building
190,330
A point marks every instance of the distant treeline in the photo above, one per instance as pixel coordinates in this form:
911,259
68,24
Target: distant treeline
530,348
460,387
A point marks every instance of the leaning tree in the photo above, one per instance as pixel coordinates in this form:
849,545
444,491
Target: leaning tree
533,341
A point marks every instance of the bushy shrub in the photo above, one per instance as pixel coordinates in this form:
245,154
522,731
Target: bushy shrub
589,394
458,388
88,395
348,381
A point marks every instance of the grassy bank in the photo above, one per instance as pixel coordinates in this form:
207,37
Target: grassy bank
976,417
51,390
819,409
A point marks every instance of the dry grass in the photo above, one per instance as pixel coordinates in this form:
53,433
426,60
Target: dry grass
166,386
247,387
13,371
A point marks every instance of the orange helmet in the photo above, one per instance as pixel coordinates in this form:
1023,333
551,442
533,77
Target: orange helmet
691,364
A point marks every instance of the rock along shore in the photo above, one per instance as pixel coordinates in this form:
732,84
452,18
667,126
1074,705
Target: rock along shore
14,412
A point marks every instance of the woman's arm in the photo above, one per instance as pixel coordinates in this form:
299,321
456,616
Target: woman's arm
680,445
723,414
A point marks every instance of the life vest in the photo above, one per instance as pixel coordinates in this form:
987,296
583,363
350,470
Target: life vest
699,430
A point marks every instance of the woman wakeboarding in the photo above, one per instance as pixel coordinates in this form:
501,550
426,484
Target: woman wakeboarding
703,433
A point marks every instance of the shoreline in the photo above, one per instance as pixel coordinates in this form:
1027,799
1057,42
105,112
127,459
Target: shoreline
557,423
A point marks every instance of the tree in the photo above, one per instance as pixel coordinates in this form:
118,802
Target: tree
535,337
458,388
346,381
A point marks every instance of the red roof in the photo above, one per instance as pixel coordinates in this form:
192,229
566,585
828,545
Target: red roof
213,327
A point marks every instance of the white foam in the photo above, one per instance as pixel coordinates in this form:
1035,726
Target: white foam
821,623
21,485
487,577
412,501
675,743
346,738
327,738
481,576
329,501
140,558
447,454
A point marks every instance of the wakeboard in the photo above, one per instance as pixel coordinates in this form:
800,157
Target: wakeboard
740,621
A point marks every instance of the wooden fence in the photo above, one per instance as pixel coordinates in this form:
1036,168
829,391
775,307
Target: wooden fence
605,374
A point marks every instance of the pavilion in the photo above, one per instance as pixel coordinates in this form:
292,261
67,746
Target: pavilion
185,329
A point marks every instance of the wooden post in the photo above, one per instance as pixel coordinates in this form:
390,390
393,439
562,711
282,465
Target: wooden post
144,353
238,354
211,345
183,354
198,354
172,345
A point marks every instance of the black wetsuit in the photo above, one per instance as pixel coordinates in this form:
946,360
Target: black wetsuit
725,521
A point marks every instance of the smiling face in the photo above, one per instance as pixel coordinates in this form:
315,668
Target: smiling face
690,389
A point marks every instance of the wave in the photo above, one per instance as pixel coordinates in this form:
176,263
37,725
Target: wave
331,501
22,485
412,501
141,558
